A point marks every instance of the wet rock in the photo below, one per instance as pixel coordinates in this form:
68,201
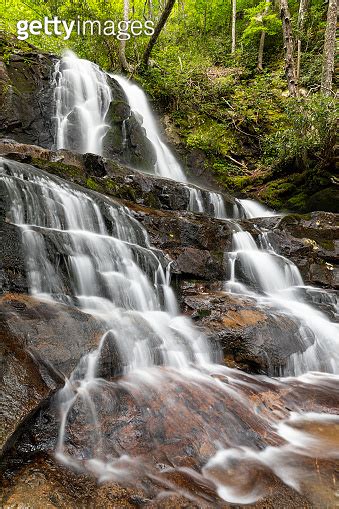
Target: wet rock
45,484
23,388
253,338
27,97
12,263
195,243
41,345
56,334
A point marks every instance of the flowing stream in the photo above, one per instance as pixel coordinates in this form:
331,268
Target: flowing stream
87,251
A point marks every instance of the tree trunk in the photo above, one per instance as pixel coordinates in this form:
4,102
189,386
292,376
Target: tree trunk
288,47
303,6
122,46
329,48
262,40
234,15
162,21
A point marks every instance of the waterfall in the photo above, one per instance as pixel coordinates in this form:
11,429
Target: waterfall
82,98
196,203
208,202
218,205
88,251
113,272
271,278
166,165
254,209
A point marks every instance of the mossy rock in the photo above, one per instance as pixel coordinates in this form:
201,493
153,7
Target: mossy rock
326,200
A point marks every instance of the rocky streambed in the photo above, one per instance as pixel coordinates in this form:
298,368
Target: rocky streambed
43,342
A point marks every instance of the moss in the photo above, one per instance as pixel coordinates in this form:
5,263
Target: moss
59,169
326,199
203,312
92,184
298,202
327,244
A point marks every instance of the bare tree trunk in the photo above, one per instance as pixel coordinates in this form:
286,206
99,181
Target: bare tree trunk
234,15
329,48
162,21
288,47
150,9
262,41
303,6
122,47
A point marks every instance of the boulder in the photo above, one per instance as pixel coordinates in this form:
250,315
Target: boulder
312,242
42,343
252,337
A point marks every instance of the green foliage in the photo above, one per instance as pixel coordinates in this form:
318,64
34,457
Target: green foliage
307,135
212,136
261,18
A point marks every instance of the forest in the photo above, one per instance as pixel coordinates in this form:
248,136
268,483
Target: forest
246,89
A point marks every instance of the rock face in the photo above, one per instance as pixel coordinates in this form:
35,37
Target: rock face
12,263
27,96
42,343
251,338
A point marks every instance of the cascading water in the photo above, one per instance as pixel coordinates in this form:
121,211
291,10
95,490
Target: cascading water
85,250
207,202
273,279
113,271
82,99
254,209
166,165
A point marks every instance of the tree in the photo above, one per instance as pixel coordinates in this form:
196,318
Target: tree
303,6
162,21
261,21
122,47
290,71
234,16
262,40
329,48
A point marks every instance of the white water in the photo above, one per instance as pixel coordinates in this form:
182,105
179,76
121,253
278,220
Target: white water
271,278
166,165
254,209
207,202
113,271
82,98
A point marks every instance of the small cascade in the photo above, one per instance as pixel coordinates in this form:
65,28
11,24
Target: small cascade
217,204
82,98
207,202
272,279
166,166
254,209
196,203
